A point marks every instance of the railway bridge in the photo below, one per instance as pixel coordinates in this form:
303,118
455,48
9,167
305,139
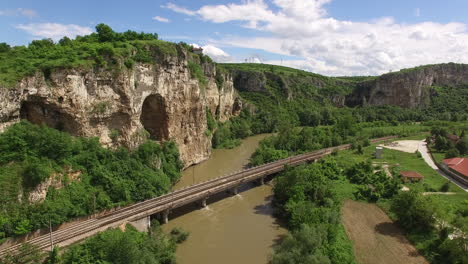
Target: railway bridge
139,214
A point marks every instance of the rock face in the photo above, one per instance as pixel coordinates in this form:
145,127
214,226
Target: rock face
410,88
124,107
56,180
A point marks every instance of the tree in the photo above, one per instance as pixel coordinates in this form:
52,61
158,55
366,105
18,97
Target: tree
452,153
462,145
4,47
438,131
414,211
54,256
23,227
441,143
105,33
27,254
118,247
306,245
65,41
44,43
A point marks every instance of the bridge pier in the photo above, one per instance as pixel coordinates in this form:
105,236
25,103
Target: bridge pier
261,181
203,202
235,190
165,216
143,224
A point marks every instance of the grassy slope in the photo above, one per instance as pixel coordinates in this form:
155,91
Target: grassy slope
448,204
409,161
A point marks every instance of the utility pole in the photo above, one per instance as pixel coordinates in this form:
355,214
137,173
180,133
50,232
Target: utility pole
94,204
51,239
193,174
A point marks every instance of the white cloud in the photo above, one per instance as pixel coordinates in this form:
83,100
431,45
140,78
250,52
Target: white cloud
215,53
54,31
30,13
179,9
195,45
251,11
330,46
161,19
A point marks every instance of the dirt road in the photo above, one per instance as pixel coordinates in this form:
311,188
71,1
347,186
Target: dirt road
376,239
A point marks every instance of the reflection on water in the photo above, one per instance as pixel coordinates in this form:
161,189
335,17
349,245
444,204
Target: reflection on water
231,229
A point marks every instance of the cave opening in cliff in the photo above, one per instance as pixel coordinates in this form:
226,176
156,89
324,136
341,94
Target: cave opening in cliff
154,117
40,113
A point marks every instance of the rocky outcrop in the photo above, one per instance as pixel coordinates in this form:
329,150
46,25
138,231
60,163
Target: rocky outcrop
161,101
249,81
408,88
56,181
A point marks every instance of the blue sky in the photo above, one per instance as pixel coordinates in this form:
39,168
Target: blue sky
334,37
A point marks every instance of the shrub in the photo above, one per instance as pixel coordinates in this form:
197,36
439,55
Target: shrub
179,235
452,153
197,73
445,187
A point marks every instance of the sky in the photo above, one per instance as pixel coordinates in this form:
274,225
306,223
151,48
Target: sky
330,37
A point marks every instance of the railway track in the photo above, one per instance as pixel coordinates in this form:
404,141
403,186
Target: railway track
173,200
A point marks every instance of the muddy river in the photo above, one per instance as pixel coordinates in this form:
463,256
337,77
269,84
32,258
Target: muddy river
231,229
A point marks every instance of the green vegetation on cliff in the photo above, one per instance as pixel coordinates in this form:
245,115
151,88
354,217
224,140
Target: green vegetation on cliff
276,95
89,178
104,49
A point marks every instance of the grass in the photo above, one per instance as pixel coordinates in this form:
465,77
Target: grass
439,156
432,182
260,67
403,161
446,205
411,161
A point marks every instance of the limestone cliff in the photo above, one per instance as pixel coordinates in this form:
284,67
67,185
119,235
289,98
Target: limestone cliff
161,101
408,88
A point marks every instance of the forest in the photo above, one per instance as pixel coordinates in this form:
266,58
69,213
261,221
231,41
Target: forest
103,178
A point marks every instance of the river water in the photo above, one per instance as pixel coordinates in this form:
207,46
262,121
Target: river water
231,229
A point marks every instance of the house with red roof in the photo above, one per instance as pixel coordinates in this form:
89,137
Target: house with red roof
458,166
410,176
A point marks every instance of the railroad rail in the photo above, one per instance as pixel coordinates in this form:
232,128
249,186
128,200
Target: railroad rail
164,204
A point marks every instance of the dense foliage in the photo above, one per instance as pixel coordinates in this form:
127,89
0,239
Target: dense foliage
307,200
118,247
423,220
104,49
452,144
311,99
290,141
373,185
92,177
111,246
